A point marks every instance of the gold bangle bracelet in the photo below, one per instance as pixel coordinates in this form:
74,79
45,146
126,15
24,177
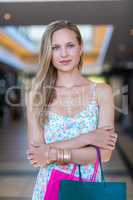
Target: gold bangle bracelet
60,155
63,156
67,156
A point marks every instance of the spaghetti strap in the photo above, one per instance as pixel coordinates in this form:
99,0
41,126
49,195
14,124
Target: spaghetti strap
94,92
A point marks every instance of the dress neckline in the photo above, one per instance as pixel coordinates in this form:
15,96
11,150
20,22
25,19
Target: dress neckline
74,86
74,117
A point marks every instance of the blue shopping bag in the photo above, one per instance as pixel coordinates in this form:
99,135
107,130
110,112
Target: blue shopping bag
79,190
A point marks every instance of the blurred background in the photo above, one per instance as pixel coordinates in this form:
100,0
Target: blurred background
107,30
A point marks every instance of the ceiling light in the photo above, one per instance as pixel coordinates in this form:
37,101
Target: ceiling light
7,16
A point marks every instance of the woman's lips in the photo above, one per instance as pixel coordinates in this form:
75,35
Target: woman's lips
65,62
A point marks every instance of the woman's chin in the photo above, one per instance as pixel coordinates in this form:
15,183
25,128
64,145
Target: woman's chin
66,68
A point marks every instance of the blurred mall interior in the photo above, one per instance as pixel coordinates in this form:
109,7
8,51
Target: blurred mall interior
107,30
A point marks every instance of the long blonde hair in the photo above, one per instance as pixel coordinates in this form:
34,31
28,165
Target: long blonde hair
45,80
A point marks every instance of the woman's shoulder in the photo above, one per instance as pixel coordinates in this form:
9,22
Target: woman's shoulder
104,91
103,88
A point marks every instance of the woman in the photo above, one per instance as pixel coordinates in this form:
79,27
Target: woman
67,114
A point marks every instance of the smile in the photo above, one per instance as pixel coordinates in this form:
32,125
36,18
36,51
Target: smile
65,62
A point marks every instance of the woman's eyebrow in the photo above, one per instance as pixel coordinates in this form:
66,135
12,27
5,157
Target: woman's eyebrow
66,43
54,45
71,42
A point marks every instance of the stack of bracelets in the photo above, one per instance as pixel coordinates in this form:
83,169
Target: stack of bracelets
63,156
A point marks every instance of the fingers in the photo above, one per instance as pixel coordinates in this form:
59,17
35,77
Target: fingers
107,139
112,143
110,147
32,161
114,135
113,139
34,145
36,165
29,155
30,151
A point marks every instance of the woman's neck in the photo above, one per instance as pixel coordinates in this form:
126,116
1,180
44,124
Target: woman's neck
69,79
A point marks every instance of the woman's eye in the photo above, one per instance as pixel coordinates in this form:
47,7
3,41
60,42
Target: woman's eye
55,48
70,45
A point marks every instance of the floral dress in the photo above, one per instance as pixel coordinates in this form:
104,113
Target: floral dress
61,128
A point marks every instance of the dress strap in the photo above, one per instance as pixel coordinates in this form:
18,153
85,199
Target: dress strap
94,92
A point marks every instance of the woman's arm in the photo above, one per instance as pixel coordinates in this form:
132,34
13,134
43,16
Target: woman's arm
73,143
100,137
106,118
107,112
34,131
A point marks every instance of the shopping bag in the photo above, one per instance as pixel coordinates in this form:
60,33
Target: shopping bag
80,190
52,191
70,190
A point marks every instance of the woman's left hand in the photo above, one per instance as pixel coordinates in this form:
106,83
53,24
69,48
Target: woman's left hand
38,154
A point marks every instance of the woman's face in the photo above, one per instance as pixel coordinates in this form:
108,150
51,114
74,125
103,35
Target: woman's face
66,50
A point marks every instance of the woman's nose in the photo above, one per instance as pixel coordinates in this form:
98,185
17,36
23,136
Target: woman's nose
64,52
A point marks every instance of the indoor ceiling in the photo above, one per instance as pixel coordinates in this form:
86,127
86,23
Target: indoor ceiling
119,13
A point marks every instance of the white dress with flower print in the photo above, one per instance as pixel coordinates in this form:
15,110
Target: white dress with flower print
61,128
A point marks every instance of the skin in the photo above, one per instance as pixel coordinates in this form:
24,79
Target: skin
65,46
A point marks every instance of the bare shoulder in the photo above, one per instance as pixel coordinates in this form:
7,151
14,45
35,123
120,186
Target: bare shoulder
103,88
104,92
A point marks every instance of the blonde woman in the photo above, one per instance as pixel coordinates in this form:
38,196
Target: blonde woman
67,114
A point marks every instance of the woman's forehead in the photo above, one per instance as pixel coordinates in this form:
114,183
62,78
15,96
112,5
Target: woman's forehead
63,35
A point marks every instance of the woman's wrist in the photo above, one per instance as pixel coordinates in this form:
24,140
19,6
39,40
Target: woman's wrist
61,156
52,155
86,139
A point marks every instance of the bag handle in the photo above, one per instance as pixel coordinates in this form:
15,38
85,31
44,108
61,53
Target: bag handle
100,161
96,165
94,173
101,168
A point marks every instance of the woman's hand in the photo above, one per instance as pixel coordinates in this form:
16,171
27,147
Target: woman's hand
40,155
104,137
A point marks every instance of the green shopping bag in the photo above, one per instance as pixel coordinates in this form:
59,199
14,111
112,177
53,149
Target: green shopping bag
79,190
